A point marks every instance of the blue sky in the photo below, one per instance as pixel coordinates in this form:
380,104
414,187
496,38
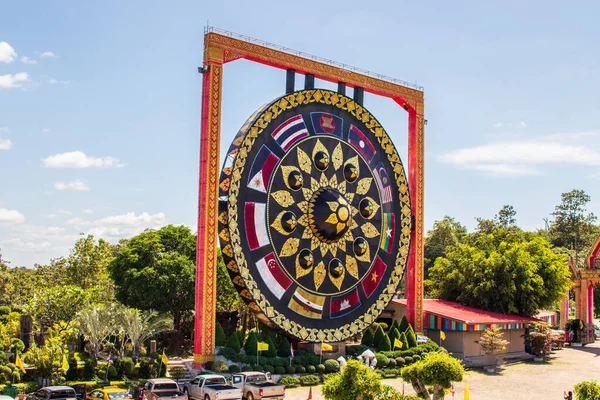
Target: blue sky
100,105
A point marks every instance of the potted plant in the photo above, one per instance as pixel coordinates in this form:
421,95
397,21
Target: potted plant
540,339
491,343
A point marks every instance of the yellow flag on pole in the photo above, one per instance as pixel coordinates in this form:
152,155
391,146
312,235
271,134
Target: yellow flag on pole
19,363
442,335
397,343
326,347
164,358
262,346
65,363
467,394
580,324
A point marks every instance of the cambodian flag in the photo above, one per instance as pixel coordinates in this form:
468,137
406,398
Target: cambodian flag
109,360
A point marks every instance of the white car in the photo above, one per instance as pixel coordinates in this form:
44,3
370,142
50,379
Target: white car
211,387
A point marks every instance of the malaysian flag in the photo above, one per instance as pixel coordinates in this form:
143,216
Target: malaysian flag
385,184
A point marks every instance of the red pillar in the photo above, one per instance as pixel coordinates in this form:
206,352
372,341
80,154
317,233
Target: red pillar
206,262
414,275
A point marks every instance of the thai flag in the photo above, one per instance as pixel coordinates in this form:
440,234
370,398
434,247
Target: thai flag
261,170
290,132
128,394
109,360
291,351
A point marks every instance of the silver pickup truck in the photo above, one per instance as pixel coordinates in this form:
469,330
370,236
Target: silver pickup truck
256,385
211,387
163,389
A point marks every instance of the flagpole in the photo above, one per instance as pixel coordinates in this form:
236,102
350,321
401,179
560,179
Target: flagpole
160,365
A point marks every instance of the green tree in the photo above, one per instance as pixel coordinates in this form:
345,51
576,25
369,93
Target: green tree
284,348
155,270
572,223
492,341
50,305
355,382
219,335
384,344
234,342
96,324
251,345
445,233
587,390
393,334
228,298
379,335
436,369
403,325
139,326
272,350
395,324
506,217
404,341
411,338
367,338
507,271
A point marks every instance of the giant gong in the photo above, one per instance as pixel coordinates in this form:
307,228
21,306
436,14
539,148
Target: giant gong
314,215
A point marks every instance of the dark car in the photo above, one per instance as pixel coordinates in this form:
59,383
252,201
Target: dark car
53,393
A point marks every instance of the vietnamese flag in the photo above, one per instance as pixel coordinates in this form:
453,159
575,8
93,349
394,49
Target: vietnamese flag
374,277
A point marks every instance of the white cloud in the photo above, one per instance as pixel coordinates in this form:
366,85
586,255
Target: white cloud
78,159
87,211
77,222
27,60
10,81
57,81
7,53
498,125
11,216
4,129
126,225
526,157
522,124
63,212
48,54
45,130
76,185
5,144
23,245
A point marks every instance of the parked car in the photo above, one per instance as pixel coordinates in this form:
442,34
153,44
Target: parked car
163,389
596,332
3,397
211,387
53,393
257,385
109,393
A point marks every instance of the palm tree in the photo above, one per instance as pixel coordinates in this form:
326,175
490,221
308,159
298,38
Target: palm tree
139,326
96,325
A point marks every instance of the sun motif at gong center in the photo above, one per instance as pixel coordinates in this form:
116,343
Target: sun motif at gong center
330,214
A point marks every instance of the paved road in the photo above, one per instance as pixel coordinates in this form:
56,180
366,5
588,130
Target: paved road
527,381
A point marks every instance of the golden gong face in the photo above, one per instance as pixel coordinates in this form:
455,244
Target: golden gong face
314,215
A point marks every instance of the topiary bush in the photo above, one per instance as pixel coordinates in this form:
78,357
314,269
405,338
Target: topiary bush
587,390
233,368
128,366
408,360
177,372
311,369
209,365
284,348
356,350
379,335
272,350
382,360
234,343
279,370
300,369
399,361
320,368
289,381
220,366
384,326
269,368
310,380
251,345
411,338
290,369
404,341
416,358
384,344
391,363
367,338
403,325
247,368
331,366
219,335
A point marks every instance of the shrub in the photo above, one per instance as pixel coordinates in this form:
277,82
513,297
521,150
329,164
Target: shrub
320,368
112,372
300,369
128,366
247,368
399,361
416,358
367,338
356,381
269,368
279,370
382,360
289,381
234,343
219,335
177,372
311,369
331,366
404,341
395,324
234,368
408,360
284,348
393,334
403,325
209,365
220,366
71,374
587,390
251,345
272,350
438,369
384,344
228,353
310,380
89,369
356,350
303,357
290,369
411,338
384,326
379,335
391,363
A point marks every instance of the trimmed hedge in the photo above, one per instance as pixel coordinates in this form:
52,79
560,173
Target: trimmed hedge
269,368
24,388
382,360
220,366
280,370
310,380
300,369
233,368
320,368
331,366
311,369
290,369
289,381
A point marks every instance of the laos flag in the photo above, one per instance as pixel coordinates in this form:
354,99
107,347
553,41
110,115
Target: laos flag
361,143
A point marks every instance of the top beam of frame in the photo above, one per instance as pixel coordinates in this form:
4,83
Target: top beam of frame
232,46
